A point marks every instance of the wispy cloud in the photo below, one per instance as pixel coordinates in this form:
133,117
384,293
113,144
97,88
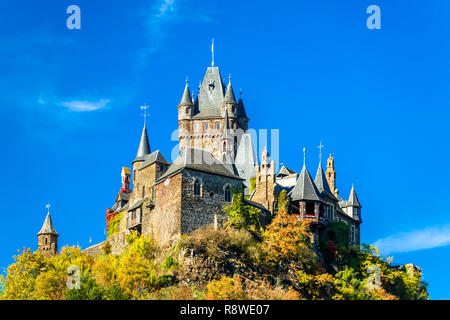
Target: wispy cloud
83,106
427,238
168,12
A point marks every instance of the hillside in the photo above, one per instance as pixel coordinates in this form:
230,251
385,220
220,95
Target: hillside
241,261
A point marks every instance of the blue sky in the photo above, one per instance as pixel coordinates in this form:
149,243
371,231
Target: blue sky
377,99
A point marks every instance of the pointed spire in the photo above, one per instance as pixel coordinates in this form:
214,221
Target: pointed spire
353,198
47,227
321,181
186,99
305,188
229,95
144,146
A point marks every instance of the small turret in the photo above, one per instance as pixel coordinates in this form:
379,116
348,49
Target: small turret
331,176
185,108
47,237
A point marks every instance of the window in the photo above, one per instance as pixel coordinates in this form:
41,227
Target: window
218,125
205,126
224,146
143,191
227,194
310,208
196,188
233,109
352,234
195,126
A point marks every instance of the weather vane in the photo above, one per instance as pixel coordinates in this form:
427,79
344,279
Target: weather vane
48,205
145,107
320,146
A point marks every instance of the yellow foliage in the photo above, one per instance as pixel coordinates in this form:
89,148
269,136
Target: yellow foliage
226,289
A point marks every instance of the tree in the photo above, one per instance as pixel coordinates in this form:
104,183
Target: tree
242,215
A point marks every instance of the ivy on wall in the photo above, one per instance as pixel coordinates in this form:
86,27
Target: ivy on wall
113,225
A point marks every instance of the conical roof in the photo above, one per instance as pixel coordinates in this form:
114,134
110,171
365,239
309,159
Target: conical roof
47,227
305,189
186,100
144,146
321,182
353,199
229,95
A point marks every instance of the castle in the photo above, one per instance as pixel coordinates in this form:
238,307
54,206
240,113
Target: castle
164,200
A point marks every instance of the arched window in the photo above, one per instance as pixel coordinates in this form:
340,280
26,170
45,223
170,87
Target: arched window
224,146
227,194
196,188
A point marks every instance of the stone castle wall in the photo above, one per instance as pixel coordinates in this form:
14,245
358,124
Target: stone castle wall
117,242
198,211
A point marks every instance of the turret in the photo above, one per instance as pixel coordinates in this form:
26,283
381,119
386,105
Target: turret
143,151
331,176
230,102
48,238
185,108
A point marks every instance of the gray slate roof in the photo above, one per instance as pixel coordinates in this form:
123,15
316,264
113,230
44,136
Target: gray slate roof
186,99
47,227
144,146
285,171
211,94
353,199
241,110
322,183
137,204
245,157
305,189
155,156
229,95
197,159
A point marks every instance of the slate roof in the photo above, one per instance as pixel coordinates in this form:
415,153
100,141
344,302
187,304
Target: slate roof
144,146
241,110
197,159
285,171
353,199
47,227
211,94
229,95
137,204
123,196
155,156
186,99
305,189
245,157
322,183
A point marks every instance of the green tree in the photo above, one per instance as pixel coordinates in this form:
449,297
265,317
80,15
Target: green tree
241,214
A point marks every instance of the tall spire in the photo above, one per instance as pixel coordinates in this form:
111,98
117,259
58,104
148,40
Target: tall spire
229,95
144,146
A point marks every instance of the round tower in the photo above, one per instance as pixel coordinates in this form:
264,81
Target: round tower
48,238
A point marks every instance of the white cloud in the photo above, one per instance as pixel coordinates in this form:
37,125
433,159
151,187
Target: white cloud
428,238
82,106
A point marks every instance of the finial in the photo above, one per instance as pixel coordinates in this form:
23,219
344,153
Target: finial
145,107
48,205
212,52
229,77
187,80
320,152
240,93
304,157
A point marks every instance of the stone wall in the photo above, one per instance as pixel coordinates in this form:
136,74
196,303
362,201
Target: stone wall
198,211
117,242
162,223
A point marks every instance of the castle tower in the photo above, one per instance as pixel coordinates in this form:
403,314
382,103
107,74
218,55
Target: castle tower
265,182
331,176
47,237
143,151
201,118
185,111
125,180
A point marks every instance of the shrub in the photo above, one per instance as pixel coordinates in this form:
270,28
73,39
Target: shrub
226,289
